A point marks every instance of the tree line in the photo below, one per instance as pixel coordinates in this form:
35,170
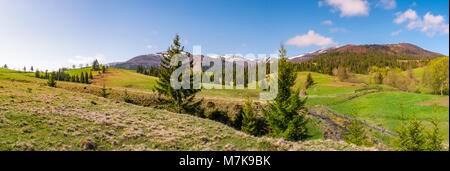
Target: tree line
60,75
359,63
151,71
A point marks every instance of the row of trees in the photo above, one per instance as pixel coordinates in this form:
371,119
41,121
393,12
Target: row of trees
151,71
435,77
60,75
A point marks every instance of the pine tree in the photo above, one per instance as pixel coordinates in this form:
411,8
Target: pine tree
283,113
434,137
32,69
37,74
5,66
309,81
181,97
104,92
91,76
95,65
356,134
51,81
82,78
86,78
411,137
249,121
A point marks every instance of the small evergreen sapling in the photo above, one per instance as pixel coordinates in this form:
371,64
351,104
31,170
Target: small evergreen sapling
51,81
249,120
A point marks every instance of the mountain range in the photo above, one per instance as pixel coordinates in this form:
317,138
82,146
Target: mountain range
398,50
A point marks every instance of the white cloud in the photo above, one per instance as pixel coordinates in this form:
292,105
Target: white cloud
349,8
310,39
407,15
327,22
150,47
430,24
387,4
87,59
396,33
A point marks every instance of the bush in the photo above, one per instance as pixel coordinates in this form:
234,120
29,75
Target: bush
127,98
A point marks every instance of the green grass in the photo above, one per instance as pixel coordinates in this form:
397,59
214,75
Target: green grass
384,109
36,117
126,79
81,70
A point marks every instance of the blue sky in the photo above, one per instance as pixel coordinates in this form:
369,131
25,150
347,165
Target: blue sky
49,34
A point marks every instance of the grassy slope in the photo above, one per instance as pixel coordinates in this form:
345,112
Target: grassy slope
384,109
36,117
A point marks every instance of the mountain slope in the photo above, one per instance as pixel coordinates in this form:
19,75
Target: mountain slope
308,56
401,50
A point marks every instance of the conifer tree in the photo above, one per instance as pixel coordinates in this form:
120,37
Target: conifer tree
5,66
82,78
309,81
51,81
95,65
283,113
249,120
90,75
181,98
37,74
411,137
86,78
32,69
104,92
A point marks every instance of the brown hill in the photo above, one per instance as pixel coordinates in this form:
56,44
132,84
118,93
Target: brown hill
401,50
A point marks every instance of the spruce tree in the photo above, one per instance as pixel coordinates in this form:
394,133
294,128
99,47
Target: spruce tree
104,92
283,113
411,137
86,78
51,81
249,120
309,81
37,74
91,76
82,78
95,65
181,98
